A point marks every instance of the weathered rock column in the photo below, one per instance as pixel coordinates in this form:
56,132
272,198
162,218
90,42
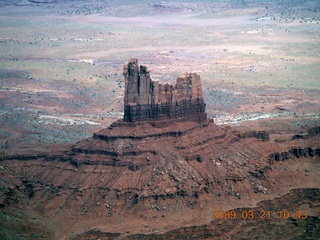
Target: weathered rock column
146,99
131,76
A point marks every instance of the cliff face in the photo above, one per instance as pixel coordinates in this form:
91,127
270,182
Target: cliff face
146,99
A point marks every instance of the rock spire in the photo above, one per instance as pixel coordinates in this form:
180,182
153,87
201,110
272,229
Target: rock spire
146,99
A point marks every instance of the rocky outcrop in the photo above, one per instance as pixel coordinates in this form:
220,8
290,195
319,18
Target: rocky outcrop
263,135
146,99
294,153
314,130
22,157
311,132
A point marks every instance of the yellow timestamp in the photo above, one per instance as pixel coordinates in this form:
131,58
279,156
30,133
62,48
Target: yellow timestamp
258,214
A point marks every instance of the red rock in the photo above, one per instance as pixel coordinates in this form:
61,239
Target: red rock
146,99
164,154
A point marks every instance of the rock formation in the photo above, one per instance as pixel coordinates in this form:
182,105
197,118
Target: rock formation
164,161
146,99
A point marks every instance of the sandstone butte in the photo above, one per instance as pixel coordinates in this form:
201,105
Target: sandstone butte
149,100
164,160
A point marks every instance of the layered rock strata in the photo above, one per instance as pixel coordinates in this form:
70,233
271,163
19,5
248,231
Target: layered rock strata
146,99
159,163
